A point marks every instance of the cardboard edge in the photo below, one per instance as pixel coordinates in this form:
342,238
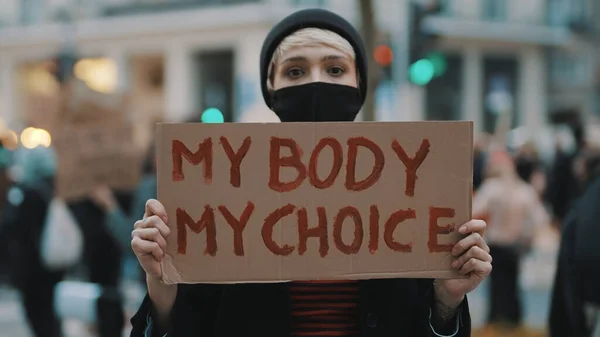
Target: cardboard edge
439,274
158,142
471,140
170,274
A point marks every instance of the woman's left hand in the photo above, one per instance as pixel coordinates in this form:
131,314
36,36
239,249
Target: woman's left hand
472,258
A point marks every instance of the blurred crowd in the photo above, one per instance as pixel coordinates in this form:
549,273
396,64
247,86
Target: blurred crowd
516,189
104,220
520,193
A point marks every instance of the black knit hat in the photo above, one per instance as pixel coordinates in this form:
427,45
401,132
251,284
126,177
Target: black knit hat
312,18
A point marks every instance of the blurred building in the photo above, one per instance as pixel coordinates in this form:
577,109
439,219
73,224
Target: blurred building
502,58
574,72
178,58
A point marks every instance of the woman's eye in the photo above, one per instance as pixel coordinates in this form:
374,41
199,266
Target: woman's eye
295,72
336,71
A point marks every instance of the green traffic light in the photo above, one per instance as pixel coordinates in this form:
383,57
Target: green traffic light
439,63
212,115
421,72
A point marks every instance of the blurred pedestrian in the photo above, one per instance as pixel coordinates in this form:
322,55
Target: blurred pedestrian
565,186
5,184
515,213
119,220
102,253
529,167
479,159
21,228
575,308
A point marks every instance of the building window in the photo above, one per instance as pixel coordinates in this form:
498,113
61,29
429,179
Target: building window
500,91
580,10
30,11
309,3
571,69
557,12
567,12
152,6
495,10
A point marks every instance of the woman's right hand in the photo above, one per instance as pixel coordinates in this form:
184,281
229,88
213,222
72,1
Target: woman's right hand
149,245
149,238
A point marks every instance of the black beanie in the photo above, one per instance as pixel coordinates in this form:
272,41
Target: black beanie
312,18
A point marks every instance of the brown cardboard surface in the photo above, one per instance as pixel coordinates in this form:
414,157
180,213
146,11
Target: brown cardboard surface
94,144
93,155
42,111
443,181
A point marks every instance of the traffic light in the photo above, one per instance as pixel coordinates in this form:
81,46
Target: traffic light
383,54
438,60
425,69
424,66
421,72
384,57
212,115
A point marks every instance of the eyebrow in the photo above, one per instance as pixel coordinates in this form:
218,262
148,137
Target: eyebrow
324,58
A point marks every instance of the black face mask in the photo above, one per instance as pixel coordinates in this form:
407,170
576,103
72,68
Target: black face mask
317,102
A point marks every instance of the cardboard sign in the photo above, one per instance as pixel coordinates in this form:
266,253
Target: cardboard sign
94,155
42,111
305,201
94,145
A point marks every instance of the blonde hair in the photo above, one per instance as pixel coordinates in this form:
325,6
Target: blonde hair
309,37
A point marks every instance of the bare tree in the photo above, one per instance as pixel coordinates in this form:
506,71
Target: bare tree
370,36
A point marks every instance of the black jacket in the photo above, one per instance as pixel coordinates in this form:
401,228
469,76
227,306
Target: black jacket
566,317
578,272
389,307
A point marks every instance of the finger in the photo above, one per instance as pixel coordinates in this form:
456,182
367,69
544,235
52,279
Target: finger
485,247
475,252
476,266
473,226
475,239
150,234
143,247
154,221
154,207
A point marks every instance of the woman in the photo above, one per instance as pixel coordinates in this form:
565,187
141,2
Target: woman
313,68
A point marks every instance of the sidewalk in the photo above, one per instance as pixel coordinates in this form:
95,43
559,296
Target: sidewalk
537,275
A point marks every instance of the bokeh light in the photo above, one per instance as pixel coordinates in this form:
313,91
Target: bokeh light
100,74
212,115
38,80
421,72
34,137
383,55
10,140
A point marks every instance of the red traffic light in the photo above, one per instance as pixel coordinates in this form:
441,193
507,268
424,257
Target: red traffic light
383,54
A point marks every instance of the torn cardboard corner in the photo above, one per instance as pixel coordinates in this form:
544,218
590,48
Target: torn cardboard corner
306,201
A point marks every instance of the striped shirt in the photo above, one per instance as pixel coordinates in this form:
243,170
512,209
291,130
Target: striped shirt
325,308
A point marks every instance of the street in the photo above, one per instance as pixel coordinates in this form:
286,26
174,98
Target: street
12,321
537,276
